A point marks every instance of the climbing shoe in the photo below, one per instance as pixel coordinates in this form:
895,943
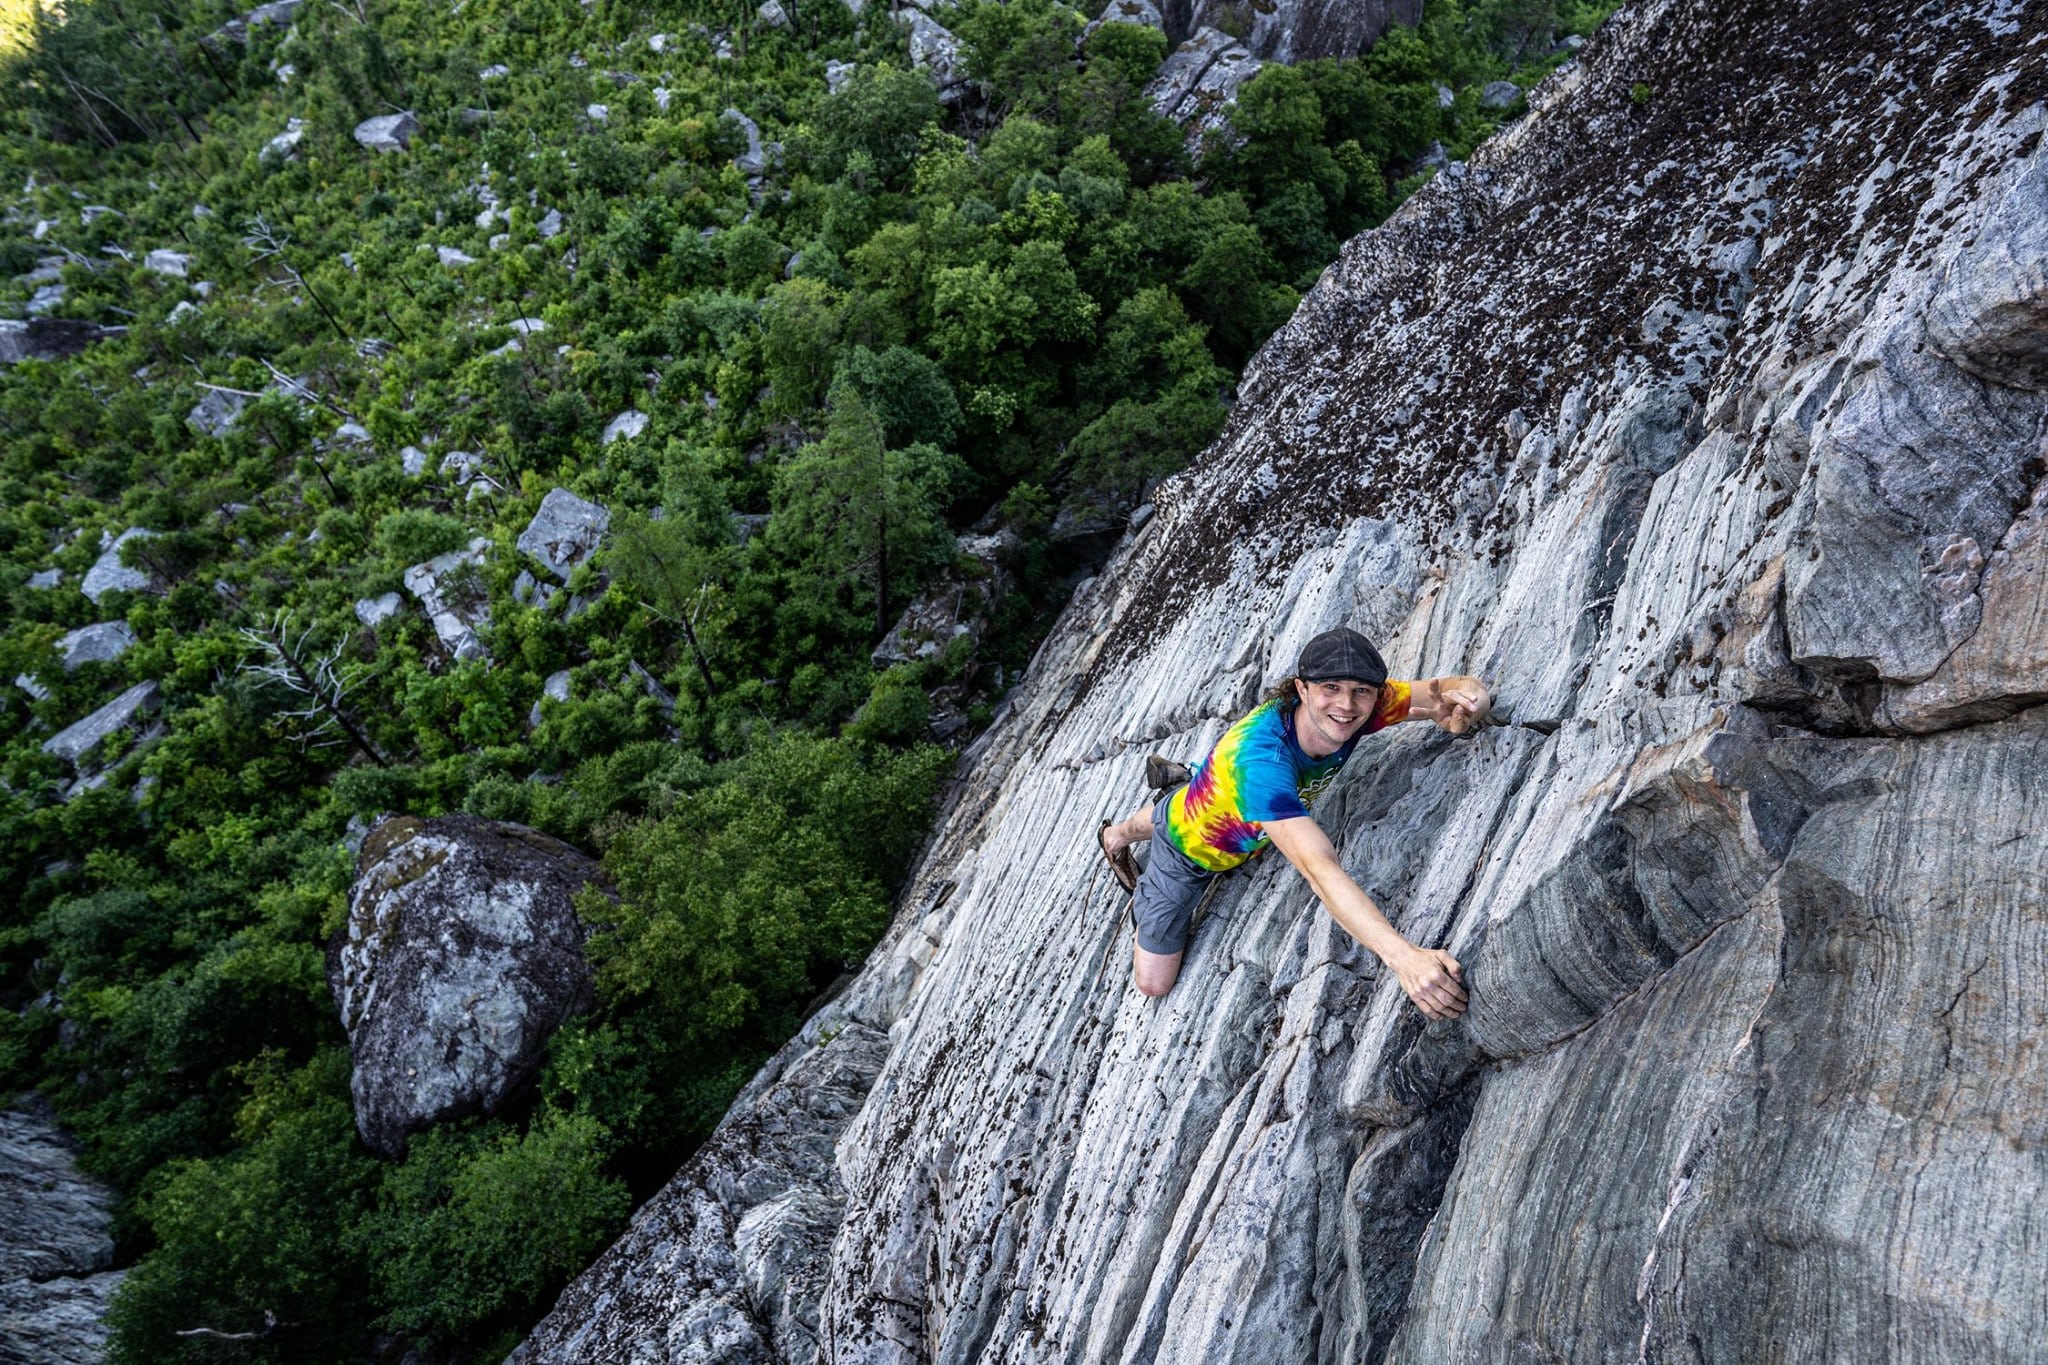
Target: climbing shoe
1163,774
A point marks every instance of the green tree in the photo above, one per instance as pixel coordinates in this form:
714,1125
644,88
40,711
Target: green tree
860,510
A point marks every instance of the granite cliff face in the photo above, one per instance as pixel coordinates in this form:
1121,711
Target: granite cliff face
1704,410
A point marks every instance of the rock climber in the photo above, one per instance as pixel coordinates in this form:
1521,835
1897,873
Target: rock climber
1255,788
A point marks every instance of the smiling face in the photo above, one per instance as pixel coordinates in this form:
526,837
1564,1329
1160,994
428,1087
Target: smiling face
1331,712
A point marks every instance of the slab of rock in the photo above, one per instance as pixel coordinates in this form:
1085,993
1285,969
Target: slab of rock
555,689
451,590
77,743
454,257
461,955
387,132
48,338
96,644
46,578
564,532
46,299
109,574
753,160
374,611
1749,1070
163,261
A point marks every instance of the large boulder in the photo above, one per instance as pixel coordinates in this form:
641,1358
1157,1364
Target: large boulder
461,955
935,50
564,532
1199,82
78,743
387,132
109,574
55,1246
96,644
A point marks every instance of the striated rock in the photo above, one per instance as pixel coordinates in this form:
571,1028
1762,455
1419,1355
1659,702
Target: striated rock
1199,82
1751,510
96,644
109,574
461,955
77,743
55,1246
564,532
387,132
451,590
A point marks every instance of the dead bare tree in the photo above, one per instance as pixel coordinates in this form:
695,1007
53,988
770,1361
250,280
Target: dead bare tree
323,681
266,243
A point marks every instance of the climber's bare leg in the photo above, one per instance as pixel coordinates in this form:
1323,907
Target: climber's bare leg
1155,973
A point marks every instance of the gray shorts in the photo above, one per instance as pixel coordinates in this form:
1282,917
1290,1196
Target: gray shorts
1168,890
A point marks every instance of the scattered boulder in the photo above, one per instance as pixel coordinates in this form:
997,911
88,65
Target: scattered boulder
48,338
454,257
754,160
550,224
956,605
48,270
452,592
1197,85
564,532
374,611
164,261
464,466
236,30
839,75
1498,95
46,578
216,412
597,113
772,14
935,50
496,71
108,573
96,644
46,299
413,461
351,433
387,132
55,1246
625,426
462,953
556,689
77,743
527,327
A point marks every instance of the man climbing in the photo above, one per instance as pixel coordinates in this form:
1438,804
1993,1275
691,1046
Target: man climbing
1255,788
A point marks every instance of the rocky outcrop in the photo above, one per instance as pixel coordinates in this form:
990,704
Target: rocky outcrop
1274,30
1197,85
461,955
55,1247
78,743
954,606
564,532
1707,427
450,589
48,338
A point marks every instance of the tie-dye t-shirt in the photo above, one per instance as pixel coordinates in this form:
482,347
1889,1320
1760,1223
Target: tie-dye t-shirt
1258,773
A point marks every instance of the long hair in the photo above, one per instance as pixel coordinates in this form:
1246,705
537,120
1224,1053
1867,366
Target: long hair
1283,692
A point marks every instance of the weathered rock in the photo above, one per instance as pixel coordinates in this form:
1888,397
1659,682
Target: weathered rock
462,954
278,12
550,225
1749,1072
597,113
78,742
374,611
625,426
55,1247
1197,85
109,574
462,466
454,257
753,160
839,75
564,532
96,644
163,261
772,14
936,51
956,605
387,132
46,578
451,589
496,71
1990,315
48,338
46,299
555,689
1499,95
216,412
1295,30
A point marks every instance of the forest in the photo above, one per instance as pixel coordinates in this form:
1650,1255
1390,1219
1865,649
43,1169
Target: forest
815,330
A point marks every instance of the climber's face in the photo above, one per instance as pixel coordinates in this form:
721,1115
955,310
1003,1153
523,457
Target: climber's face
1331,712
